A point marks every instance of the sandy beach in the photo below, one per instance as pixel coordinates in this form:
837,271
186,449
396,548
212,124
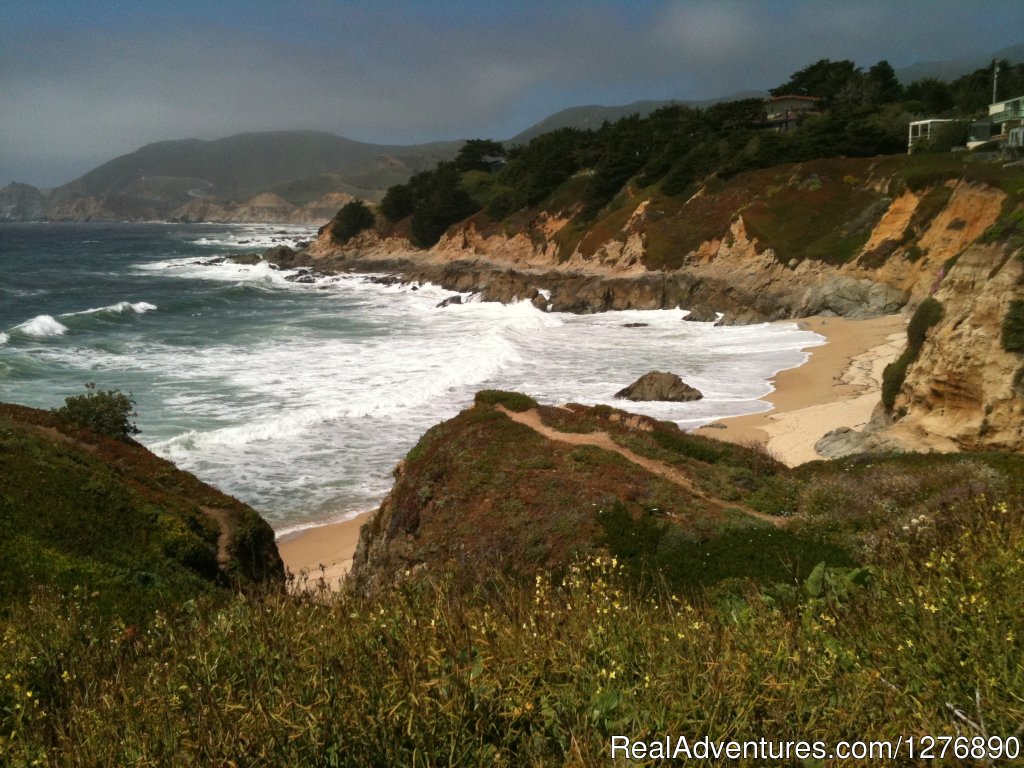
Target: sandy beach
325,551
837,387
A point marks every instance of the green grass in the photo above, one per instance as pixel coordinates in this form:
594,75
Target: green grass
537,674
566,596
746,549
79,509
514,401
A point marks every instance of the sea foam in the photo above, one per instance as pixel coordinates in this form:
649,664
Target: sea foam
42,325
120,308
3,338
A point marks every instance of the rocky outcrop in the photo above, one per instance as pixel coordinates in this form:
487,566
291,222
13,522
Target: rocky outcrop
21,202
766,253
265,207
702,315
962,385
658,385
849,297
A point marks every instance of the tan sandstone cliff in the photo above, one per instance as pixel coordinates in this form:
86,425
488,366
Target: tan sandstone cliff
902,245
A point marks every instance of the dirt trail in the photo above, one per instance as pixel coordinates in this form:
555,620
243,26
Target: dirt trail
224,539
603,440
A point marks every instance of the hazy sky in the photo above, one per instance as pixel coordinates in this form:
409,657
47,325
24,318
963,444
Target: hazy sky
82,81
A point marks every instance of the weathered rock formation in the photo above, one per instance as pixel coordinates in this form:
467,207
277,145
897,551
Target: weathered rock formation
658,385
21,202
760,250
962,386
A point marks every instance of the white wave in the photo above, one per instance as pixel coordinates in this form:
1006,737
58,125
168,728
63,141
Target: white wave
290,530
384,388
256,237
3,338
221,271
120,308
42,325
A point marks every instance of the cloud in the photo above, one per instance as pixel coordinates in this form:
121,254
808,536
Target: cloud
93,84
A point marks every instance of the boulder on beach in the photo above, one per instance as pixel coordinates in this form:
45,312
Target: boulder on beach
701,315
657,385
279,254
456,299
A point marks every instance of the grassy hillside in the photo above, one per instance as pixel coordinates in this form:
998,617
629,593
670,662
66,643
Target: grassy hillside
239,167
85,512
540,661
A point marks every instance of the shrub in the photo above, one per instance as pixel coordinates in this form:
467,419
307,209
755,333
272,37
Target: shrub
109,412
1013,327
892,380
1018,382
1009,229
514,401
352,219
928,313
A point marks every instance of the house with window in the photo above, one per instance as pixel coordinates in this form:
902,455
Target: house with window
1015,138
1005,116
783,113
930,130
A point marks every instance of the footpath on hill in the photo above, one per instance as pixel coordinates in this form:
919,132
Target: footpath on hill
600,439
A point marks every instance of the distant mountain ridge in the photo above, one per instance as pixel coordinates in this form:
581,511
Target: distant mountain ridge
950,69
164,180
246,164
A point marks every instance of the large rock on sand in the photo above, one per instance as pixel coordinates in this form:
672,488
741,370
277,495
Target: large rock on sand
657,385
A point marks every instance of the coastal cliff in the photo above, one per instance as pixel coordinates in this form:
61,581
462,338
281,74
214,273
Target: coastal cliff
965,386
856,238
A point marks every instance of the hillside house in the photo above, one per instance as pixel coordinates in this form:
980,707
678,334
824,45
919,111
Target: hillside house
1015,138
926,130
783,113
1003,124
1006,115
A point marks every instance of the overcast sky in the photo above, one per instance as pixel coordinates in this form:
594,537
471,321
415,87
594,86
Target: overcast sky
83,81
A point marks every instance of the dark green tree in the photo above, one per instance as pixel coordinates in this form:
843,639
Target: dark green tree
934,96
825,79
352,219
444,203
476,153
885,87
399,202
109,412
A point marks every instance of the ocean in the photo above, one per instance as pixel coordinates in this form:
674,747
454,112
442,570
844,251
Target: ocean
300,398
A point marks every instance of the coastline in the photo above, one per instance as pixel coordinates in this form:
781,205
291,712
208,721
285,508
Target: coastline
837,386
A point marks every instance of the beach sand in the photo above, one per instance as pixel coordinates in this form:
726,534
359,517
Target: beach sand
837,387
325,551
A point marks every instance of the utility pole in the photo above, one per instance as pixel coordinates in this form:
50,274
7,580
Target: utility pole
995,80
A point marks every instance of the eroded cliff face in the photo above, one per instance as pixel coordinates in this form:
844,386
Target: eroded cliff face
962,386
735,272
900,249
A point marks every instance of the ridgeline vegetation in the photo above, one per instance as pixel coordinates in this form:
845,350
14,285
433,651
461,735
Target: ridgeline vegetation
677,148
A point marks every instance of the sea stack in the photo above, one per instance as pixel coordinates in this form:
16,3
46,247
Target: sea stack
657,385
